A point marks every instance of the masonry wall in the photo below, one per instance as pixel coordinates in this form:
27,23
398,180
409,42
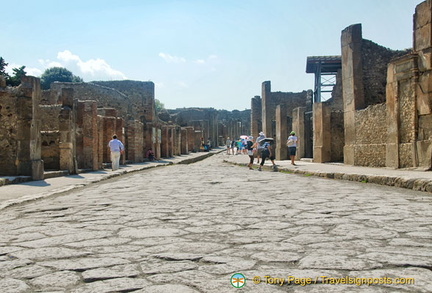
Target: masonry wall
371,136
256,116
375,59
20,138
364,79
104,96
140,96
8,132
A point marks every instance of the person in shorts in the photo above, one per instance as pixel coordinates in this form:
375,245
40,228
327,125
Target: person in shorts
292,146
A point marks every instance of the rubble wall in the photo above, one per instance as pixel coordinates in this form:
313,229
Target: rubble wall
371,138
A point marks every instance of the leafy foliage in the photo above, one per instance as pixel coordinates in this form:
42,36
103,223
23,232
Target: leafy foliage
3,65
59,74
159,106
15,80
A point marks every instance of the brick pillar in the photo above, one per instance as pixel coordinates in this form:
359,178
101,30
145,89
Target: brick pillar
134,141
256,116
165,142
298,126
29,153
190,138
322,135
101,145
183,144
352,86
119,126
87,135
281,133
67,130
266,109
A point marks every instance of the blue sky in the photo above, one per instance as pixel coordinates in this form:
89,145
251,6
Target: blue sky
199,53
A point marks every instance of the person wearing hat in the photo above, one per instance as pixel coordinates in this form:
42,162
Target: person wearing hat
292,146
259,146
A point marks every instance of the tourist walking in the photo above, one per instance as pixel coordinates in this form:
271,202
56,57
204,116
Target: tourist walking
259,146
250,147
267,152
292,146
228,145
116,148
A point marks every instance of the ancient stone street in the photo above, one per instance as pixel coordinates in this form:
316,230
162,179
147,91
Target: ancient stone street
190,228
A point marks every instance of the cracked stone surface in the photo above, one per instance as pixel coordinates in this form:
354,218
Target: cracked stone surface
189,228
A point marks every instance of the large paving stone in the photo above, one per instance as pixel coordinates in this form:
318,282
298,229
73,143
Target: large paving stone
129,270
82,264
56,281
113,285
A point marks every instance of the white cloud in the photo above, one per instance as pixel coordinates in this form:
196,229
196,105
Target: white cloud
171,59
209,59
182,84
29,70
92,69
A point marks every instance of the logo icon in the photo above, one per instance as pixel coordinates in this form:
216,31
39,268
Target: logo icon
238,280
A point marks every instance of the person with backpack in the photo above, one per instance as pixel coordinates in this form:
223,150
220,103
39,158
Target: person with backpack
250,147
267,152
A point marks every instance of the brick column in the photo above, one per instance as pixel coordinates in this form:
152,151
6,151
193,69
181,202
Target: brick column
322,135
67,130
281,133
29,154
352,82
87,149
298,126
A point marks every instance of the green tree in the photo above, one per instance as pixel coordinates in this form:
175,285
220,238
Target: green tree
15,80
159,107
3,65
60,74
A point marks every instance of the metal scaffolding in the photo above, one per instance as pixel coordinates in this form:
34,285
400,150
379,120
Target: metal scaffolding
325,69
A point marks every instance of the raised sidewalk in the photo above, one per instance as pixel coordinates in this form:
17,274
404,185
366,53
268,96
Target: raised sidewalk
12,194
411,179
16,190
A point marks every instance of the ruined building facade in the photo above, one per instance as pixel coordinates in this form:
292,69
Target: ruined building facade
380,112
69,126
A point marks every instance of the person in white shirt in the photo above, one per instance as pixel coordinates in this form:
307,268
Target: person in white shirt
292,146
117,148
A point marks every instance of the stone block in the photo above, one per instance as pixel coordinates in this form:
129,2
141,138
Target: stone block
37,170
424,59
349,153
422,38
422,16
423,92
424,154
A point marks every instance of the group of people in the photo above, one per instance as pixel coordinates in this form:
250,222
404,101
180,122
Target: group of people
261,148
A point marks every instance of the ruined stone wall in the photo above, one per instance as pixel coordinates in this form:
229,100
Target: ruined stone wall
289,101
49,117
140,95
337,136
20,124
256,116
104,96
51,150
375,59
8,132
370,147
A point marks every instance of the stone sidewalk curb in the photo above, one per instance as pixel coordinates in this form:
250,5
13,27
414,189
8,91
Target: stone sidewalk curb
128,169
408,183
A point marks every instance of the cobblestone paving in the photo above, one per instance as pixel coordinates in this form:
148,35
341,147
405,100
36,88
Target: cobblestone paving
189,228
